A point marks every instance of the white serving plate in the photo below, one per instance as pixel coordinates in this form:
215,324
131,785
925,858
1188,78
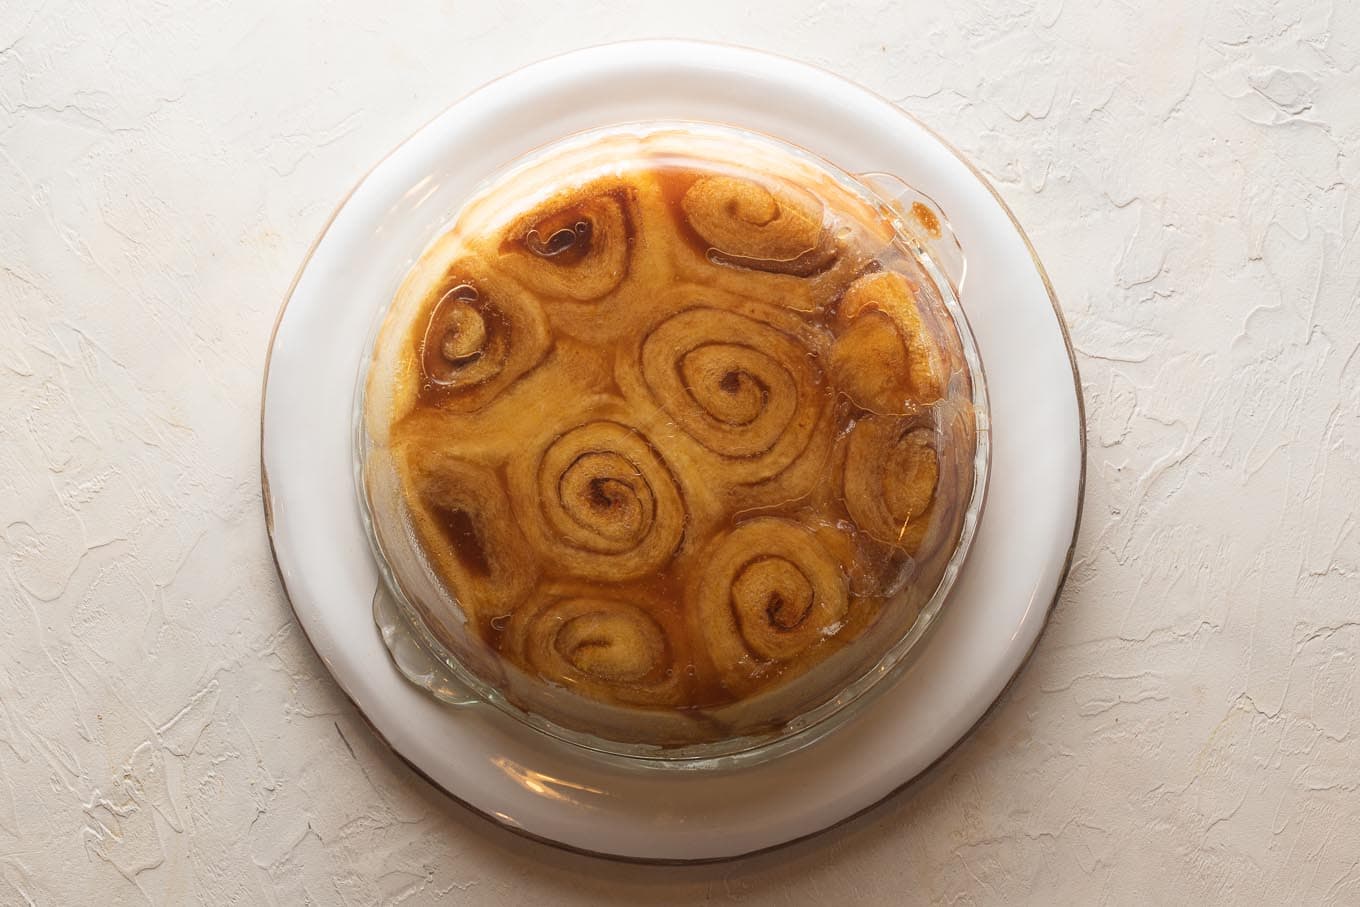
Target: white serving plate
552,791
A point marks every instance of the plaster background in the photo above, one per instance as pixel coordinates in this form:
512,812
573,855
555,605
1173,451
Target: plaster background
1187,729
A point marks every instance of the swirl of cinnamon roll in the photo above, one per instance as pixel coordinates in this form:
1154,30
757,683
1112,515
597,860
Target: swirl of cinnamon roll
769,592
475,336
610,646
575,245
597,500
767,238
587,251
761,226
459,512
741,383
891,473
889,356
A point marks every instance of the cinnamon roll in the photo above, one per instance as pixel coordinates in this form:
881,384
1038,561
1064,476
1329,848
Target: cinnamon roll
595,497
771,227
474,333
889,356
460,513
766,237
741,384
588,252
900,475
766,594
615,646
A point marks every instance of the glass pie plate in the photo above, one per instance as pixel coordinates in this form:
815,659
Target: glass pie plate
672,445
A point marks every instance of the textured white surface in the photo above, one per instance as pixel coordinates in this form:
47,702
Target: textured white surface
1187,729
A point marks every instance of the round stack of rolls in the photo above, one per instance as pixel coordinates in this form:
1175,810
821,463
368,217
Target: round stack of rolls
671,431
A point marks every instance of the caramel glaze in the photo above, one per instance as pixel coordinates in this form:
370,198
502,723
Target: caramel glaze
461,536
622,504
564,235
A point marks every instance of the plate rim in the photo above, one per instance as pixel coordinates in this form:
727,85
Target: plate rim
893,793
